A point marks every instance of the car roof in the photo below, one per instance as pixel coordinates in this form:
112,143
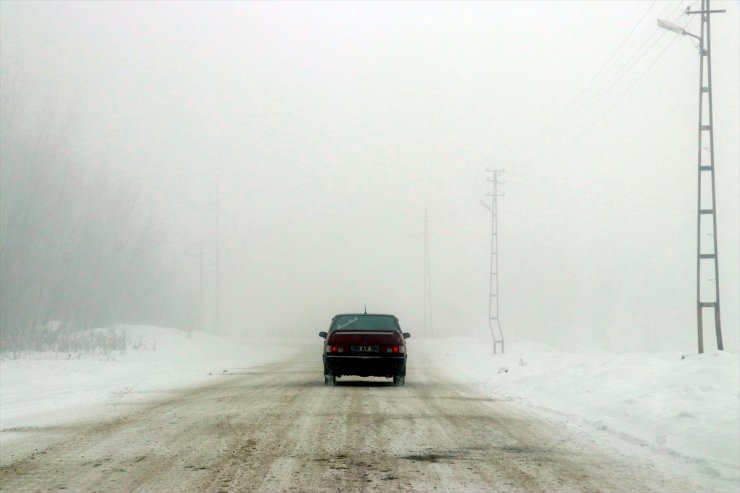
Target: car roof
363,315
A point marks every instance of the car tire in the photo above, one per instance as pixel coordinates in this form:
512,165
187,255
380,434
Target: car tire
399,380
330,380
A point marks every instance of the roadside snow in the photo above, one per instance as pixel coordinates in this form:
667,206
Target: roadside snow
656,405
49,389
680,415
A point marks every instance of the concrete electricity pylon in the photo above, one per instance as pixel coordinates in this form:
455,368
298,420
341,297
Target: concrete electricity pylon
494,322
707,255
428,327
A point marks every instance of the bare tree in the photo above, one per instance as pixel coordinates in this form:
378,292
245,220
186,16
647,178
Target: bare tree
75,246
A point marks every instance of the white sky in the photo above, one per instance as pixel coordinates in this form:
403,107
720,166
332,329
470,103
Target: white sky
328,128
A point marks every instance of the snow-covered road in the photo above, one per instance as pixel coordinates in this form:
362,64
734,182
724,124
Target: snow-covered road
276,427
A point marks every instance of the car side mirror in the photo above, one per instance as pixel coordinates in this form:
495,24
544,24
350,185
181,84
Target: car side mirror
406,335
322,334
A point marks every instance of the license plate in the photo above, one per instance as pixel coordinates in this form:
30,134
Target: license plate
365,349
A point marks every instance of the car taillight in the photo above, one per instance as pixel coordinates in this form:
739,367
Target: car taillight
395,349
334,349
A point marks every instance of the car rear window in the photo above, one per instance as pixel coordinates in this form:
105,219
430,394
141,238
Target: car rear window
364,322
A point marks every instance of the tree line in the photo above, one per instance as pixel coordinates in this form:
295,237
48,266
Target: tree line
77,248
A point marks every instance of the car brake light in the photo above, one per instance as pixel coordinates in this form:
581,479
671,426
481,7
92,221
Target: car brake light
395,349
334,349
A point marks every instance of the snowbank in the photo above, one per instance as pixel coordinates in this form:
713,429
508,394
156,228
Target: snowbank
686,409
50,389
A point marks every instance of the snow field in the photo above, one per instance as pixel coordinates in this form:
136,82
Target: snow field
49,389
660,404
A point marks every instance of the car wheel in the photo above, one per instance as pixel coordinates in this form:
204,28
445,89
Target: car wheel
330,380
399,380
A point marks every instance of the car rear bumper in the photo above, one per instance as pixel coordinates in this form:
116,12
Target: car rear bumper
365,366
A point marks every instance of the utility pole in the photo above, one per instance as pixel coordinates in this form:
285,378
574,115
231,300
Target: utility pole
707,254
200,315
217,289
707,203
494,321
201,288
428,327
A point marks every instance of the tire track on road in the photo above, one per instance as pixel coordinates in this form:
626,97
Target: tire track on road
278,428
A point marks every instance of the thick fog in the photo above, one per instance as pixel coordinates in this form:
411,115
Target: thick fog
285,153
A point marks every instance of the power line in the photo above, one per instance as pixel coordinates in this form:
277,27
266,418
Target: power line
622,96
590,82
634,28
608,84
633,60
596,98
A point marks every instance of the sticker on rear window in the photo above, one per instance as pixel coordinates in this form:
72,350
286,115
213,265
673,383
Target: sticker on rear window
349,322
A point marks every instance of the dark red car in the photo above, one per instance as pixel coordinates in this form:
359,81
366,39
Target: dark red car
366,345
